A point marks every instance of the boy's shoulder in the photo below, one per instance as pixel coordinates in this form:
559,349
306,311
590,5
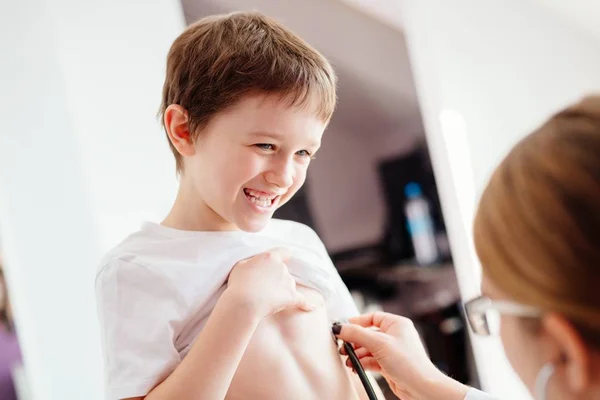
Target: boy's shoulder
152,248
155,255
135,243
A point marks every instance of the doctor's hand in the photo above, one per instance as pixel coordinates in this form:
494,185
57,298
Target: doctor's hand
395,350
264,285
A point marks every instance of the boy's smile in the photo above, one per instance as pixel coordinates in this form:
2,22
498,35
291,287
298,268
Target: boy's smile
262,201
248,161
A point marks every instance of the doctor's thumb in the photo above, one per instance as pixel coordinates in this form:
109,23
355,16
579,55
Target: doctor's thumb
358,335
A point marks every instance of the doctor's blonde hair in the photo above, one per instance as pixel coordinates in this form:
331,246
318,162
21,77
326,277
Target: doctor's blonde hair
537,229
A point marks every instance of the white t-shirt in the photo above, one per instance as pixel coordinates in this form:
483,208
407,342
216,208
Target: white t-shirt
156,290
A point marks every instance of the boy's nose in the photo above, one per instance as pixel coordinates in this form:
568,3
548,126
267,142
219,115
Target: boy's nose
281,175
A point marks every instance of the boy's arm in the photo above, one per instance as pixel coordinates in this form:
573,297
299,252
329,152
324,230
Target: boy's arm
139,347
257,287
208,369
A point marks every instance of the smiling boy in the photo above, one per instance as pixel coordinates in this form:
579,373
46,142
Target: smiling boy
245,105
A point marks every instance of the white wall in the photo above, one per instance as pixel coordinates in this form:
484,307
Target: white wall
82,161
487,73
582,14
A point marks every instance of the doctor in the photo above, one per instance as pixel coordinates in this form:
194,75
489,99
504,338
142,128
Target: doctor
537,234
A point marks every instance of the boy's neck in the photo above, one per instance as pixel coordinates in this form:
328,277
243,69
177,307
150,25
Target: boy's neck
189,213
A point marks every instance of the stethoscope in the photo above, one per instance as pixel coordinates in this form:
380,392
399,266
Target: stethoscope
360,371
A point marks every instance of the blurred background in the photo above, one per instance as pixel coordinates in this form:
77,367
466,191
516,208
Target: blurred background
431,96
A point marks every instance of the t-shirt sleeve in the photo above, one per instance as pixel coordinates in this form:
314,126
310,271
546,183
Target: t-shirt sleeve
138,310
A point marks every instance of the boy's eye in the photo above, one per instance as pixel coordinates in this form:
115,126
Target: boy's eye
303,153
265,146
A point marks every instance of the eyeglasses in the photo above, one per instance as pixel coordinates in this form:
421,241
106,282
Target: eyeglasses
484,314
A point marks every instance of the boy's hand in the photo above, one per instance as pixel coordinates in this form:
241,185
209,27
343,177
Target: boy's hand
264,283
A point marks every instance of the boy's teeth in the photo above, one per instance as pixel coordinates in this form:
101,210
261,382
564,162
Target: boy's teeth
260,196
262,203
259,199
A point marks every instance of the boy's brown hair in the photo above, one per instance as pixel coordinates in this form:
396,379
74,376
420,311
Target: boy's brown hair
222,58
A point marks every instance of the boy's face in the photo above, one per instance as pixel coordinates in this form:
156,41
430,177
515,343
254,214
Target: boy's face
250,160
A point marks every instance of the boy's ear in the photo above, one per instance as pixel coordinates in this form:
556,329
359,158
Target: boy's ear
177,125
